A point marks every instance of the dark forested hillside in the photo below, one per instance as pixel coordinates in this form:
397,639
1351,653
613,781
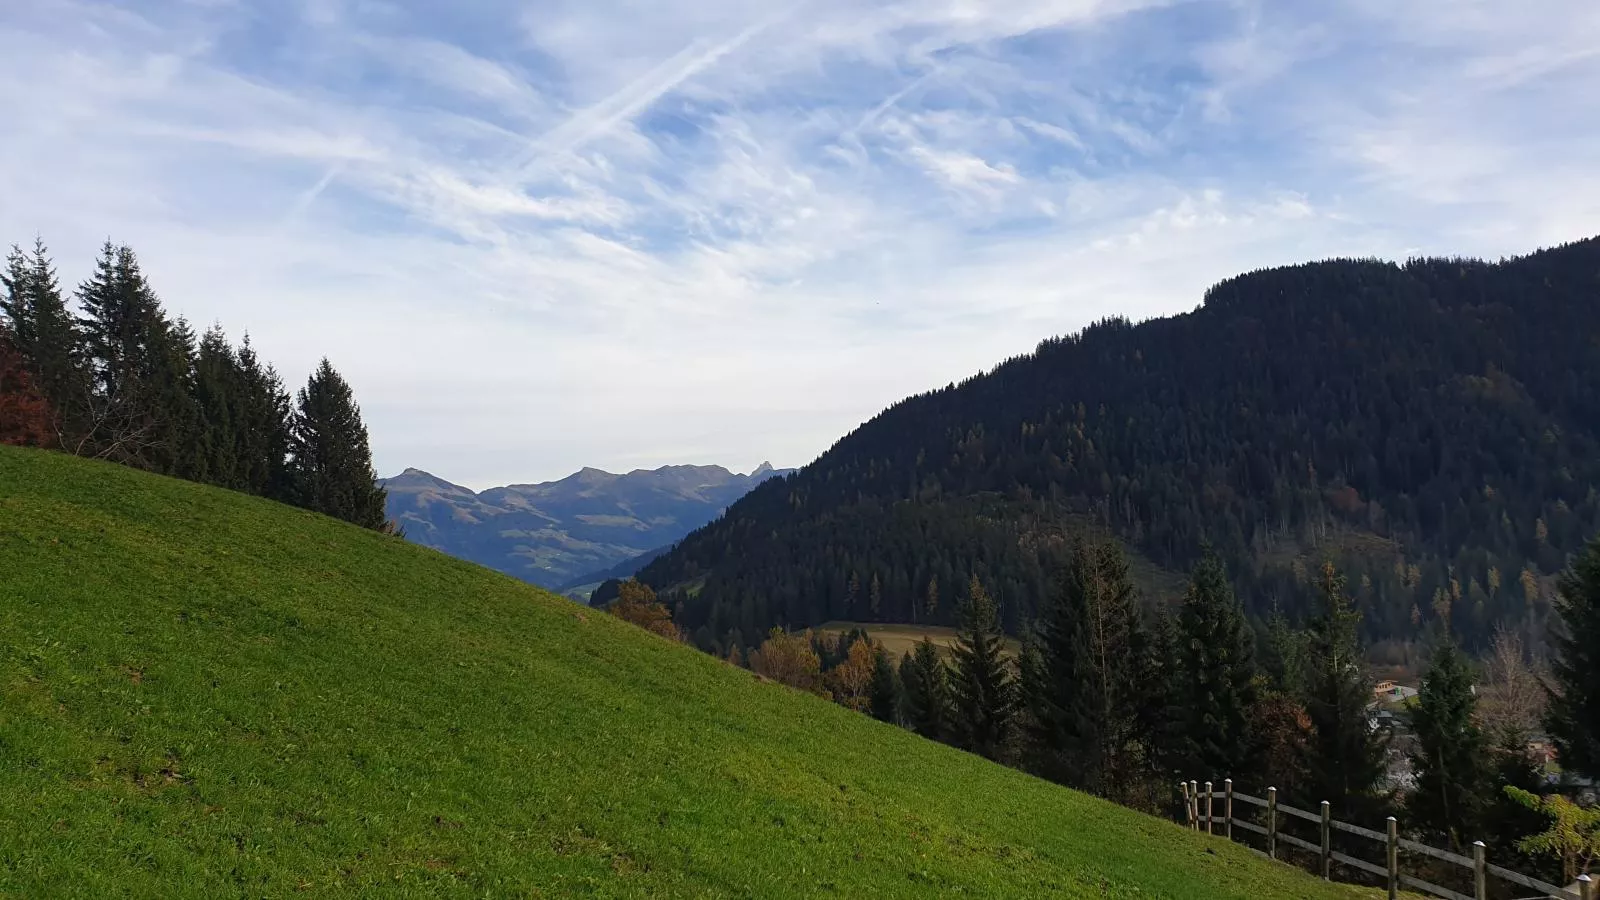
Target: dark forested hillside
1433,428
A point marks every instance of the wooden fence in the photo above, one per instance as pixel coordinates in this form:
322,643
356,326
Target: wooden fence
1200,811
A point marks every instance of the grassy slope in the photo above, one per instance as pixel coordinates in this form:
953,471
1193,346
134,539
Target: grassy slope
205,694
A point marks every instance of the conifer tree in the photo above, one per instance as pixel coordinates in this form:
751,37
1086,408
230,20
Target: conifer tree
1451,759
1573,716
261,415
332,463
983,691
1507,821
926,683
1215,676
127,348
1165,714
1089,693
217,384
1347,756
177,425
44,332
885,688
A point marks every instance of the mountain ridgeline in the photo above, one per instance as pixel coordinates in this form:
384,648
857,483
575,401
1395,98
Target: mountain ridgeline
585,528
1433,428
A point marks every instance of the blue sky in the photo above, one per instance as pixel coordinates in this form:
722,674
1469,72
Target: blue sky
543,235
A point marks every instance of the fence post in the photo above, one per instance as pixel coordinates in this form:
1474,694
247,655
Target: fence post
1394,858
1480,871
1585,888
1272,823
1194,797
1227,809
1209,809
1327,842
1183,792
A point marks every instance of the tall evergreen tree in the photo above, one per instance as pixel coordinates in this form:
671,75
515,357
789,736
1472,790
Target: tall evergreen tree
179,448
44,332
332,463
885,692
1451,759
983,691
1216,676
1090,692
261,417
925,680
217,386
1347,755
1507,821
128,349
1573,716
1166,715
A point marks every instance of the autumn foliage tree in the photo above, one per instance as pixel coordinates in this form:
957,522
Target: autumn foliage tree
25,416
851,680
789,659
637,603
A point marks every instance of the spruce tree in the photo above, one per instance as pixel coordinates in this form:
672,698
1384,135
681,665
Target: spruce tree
1573,716
217,383
1215,676
1347,756
1090,693
885,691
45,333
261,417
982,689
1507,821
1166,714
925,679
128,350
1451,758
332,463
178,449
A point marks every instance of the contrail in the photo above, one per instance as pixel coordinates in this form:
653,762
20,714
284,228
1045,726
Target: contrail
641,94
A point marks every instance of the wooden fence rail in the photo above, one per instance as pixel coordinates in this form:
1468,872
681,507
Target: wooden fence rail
1200,808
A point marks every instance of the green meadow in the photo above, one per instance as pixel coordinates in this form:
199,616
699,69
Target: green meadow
204,694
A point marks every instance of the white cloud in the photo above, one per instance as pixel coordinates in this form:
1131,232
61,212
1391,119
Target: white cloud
627,233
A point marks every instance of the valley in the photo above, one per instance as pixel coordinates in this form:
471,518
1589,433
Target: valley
558,534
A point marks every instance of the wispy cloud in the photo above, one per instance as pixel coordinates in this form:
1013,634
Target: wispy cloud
618,233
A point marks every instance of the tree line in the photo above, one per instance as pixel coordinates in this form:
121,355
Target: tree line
1293,417
107,373
1113,699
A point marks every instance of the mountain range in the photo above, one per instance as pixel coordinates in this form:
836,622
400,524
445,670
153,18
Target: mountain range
1432,428
556,534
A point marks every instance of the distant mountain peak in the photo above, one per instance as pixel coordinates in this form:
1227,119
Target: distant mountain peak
416,479
551,532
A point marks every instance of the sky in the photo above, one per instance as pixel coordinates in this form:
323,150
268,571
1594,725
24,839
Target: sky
538,236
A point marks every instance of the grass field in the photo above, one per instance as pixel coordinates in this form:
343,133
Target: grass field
900,639
209,695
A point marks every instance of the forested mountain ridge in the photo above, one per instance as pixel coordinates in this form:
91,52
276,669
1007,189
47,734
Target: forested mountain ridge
551,533
1431,426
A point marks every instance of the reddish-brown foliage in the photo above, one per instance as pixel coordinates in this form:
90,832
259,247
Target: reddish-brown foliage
1285,731
25,416
637,603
